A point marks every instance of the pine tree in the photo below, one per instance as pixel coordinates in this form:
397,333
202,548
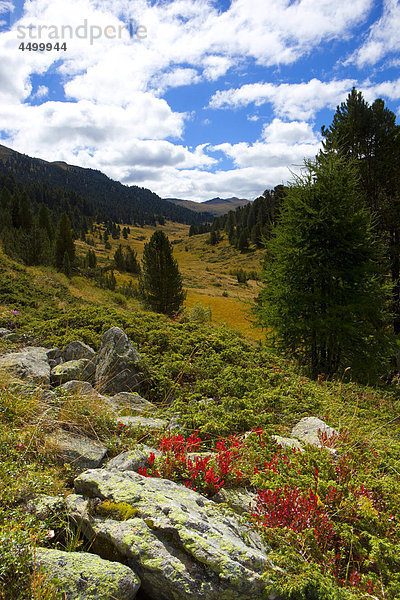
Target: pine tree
131,262
323,300
119,259
64,242
369,136
161,281
66,266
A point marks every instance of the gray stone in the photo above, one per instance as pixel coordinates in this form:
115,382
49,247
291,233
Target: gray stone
134,402
307,430
54,357
239,499
83,369
78,450
30,363
286,442
44,506
84,576
133,460
117,363
82,388
182,545
76,351
143,422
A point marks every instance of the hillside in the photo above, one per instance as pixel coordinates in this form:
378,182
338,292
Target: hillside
110,199
216,206
209,272
210,407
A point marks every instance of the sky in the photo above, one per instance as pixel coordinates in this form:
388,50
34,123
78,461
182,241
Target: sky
193,99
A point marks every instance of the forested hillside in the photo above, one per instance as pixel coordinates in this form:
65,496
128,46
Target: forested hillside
110,199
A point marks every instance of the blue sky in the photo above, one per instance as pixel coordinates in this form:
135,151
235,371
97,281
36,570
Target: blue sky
211,98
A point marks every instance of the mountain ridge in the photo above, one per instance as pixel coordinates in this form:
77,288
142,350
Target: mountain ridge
216,206
111,199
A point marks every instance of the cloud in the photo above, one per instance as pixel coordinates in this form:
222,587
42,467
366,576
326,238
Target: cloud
41,92
383,38
113,115
6,7
292,101
302,100
282,145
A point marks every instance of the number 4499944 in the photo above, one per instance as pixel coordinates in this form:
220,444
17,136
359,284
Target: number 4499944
42,47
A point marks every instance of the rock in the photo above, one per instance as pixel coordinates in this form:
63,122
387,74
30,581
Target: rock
30,363
286,442
44,506
76,351
133,460
73,370
134,402
117,363
54,357
307,430
78,450
182,545
84,576
143,422
4,332
240,499
82,388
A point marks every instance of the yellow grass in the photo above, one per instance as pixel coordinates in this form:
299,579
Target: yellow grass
205,272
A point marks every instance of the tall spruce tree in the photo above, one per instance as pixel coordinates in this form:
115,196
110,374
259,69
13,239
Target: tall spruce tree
161,283
64,243
323,300
368,135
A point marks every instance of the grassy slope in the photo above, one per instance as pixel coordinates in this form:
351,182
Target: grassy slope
184,364
205,270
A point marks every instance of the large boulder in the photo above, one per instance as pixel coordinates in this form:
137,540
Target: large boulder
84,576
30,363
182,545
77,450
117,363
310,429
76,351
82,369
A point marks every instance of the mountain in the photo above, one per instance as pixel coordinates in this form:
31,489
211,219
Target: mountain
216,206
110,199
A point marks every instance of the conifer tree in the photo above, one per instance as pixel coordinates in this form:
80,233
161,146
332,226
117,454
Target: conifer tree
161,282
323,300
64,242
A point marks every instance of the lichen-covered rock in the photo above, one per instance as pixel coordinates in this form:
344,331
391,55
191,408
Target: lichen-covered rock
73,370
286,442
76,351
239,499
78,450
4,332
134,402
83,576
182,546
30,363
133,460
143,422
82,388
308,430
44,506
117,363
